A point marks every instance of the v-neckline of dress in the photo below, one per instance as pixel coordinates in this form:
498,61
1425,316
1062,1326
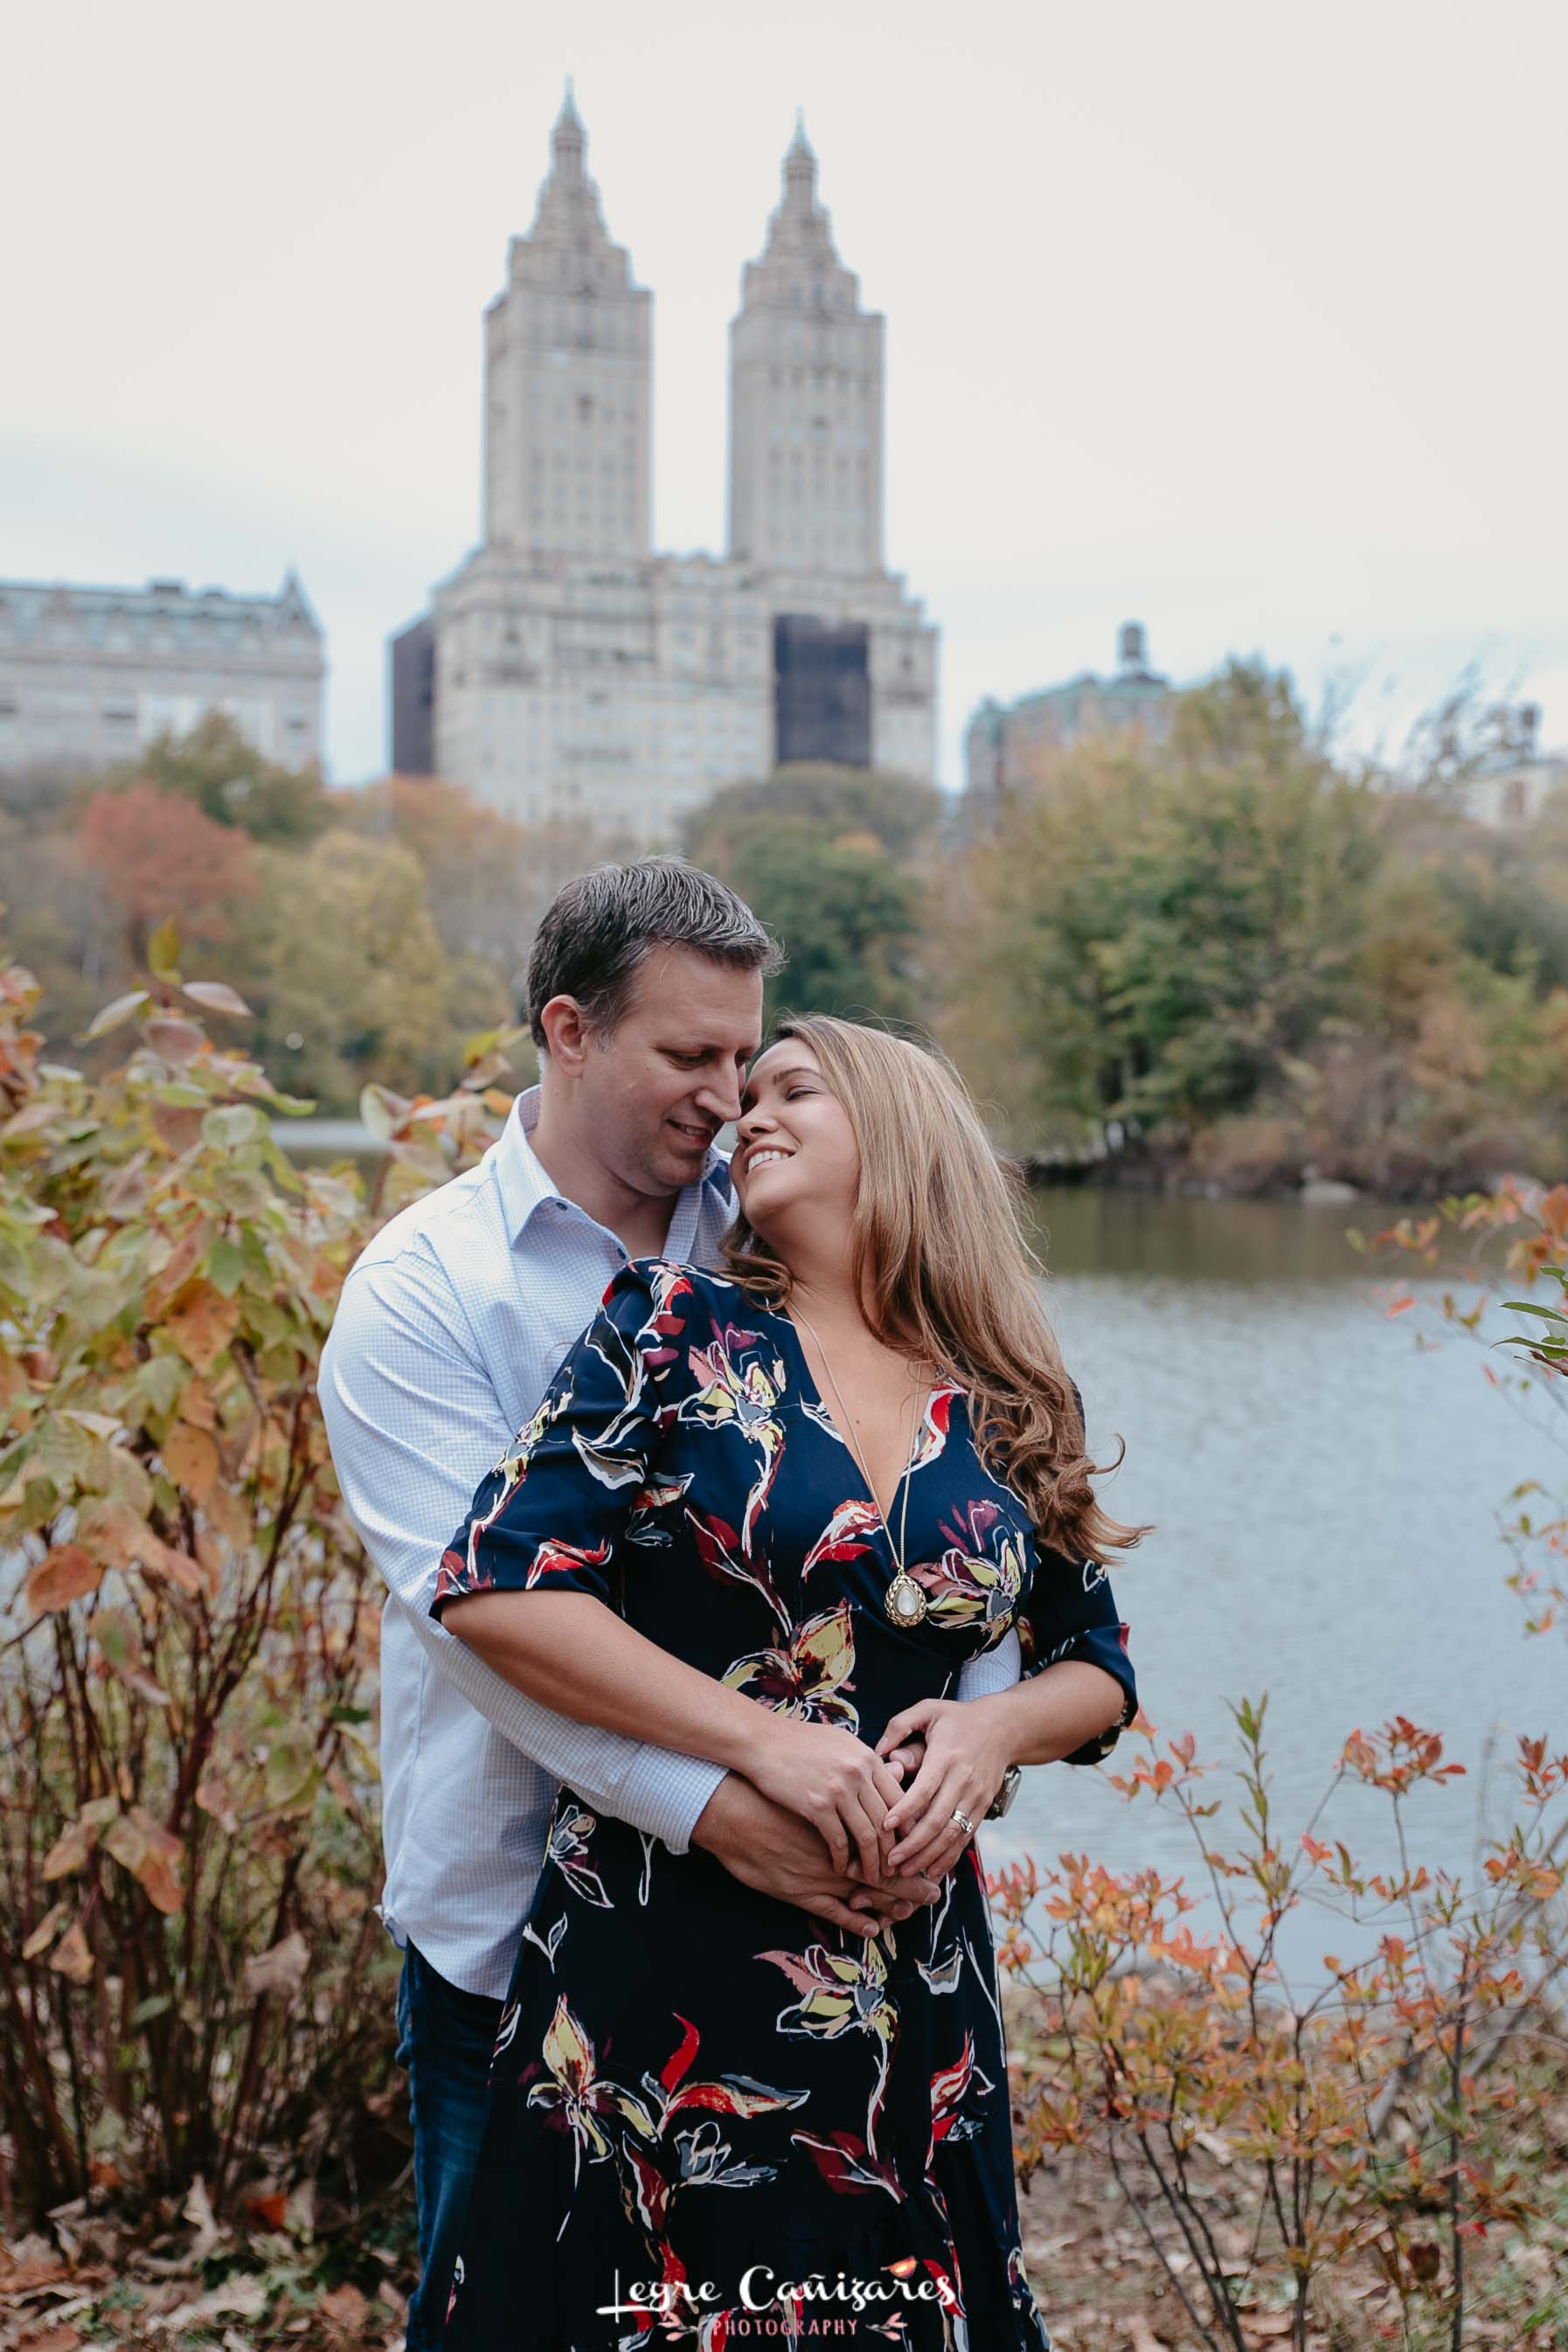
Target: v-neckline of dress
943,1388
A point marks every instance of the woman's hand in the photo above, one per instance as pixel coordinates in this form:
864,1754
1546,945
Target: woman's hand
965,1756
834,1781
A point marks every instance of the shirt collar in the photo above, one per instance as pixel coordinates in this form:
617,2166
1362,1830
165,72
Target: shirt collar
525,1183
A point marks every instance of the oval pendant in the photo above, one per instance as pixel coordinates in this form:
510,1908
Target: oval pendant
903,1601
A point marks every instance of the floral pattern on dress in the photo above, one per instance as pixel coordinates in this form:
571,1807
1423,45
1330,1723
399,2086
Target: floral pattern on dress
683,1470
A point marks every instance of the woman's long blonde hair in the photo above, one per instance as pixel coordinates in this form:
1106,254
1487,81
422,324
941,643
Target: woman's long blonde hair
943,1274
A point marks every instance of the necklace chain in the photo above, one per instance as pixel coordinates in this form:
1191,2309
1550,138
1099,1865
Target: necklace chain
904,1601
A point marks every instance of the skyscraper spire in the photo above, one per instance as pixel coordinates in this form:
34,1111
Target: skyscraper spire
800,169
806,396
569,138
567,371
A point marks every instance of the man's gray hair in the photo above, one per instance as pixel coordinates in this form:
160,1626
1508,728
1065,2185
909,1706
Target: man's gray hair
602,925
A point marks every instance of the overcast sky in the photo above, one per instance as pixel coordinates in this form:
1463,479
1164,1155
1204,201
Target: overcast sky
1246,321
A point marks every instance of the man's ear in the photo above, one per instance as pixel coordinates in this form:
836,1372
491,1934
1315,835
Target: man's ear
565,1035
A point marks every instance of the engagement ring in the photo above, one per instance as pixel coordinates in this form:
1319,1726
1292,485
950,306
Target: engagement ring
965,1824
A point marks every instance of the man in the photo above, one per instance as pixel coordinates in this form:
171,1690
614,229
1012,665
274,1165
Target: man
644,993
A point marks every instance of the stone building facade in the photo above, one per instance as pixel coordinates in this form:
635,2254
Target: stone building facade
1011,747
579,673
88,675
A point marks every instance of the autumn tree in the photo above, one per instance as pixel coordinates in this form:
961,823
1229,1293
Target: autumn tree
488,880
157,857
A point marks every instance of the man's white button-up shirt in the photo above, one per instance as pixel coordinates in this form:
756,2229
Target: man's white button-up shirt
449,1329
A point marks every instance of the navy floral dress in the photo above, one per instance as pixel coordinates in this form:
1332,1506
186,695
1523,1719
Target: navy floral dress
715,2119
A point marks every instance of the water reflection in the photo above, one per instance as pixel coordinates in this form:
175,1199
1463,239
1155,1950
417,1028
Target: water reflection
1084,1230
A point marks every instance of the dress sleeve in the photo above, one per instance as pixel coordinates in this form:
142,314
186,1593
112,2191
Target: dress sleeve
549,1516
1071,1613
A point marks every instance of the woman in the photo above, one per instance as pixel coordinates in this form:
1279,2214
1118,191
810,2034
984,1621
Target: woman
766,1516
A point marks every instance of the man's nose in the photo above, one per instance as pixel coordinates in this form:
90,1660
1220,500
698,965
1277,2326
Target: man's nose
723,1095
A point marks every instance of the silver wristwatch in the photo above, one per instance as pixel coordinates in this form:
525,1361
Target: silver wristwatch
1006,1793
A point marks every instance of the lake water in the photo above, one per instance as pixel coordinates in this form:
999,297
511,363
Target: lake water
1326,1495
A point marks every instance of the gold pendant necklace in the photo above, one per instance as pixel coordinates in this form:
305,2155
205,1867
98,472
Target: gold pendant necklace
903,1601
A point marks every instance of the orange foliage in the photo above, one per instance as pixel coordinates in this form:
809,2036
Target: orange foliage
160,857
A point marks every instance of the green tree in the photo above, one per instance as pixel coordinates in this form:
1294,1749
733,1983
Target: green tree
898,813
846,915
1171,930
229,780
826,856
347,976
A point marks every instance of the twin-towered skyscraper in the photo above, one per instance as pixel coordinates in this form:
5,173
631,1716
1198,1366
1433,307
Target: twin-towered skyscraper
568,670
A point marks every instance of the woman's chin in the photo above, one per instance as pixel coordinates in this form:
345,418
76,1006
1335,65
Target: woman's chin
763,1214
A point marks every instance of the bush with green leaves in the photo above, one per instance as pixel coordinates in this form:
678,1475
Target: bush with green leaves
193,1979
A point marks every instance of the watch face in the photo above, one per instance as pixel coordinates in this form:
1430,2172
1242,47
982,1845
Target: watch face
1007,1793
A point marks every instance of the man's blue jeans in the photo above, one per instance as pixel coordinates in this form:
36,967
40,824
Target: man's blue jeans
444,2037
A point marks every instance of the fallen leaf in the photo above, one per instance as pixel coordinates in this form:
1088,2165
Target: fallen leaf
198,2211
245,2296
54,2339
24,2277
1141,2336
345,2307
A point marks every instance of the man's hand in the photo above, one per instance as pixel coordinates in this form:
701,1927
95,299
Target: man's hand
773,1850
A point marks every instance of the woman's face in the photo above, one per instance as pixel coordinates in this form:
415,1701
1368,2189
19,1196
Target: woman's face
795,1145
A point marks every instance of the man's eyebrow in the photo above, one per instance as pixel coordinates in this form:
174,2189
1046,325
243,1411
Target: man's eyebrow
799,1070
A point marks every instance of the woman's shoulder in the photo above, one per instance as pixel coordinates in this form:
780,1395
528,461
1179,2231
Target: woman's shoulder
680,1288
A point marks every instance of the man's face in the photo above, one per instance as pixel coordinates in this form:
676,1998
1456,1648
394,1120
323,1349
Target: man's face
656,1094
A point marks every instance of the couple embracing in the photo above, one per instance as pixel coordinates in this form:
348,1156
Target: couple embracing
741,1550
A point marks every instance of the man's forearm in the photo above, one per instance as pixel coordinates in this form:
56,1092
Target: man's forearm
598,1669
659,1789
